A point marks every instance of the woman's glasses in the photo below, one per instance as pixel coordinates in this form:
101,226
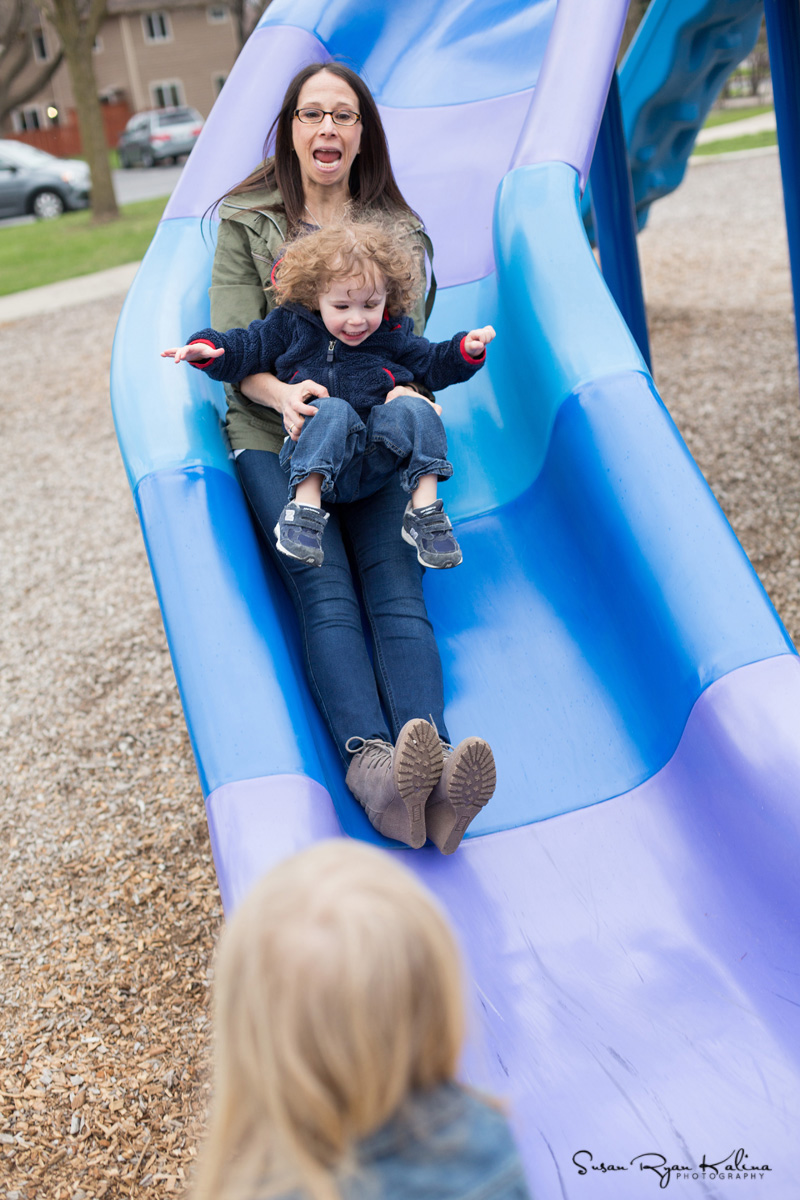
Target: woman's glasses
315,116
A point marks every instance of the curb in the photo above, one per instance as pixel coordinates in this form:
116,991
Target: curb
67,293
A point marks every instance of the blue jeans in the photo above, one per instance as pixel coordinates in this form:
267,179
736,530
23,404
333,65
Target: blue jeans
407,675
357,457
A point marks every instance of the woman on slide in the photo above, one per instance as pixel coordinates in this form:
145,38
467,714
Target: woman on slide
386,716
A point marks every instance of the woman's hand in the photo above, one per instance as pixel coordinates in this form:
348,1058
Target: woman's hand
194,352
294,409
477,340
407,391
286,398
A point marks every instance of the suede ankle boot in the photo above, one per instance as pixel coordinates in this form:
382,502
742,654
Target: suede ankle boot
392,783
466,784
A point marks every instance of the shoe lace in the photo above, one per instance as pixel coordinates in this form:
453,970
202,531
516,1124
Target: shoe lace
446,746
376,749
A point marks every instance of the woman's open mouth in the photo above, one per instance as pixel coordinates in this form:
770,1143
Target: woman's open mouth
327,158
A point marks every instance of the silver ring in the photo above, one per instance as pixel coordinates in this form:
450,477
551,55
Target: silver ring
291,429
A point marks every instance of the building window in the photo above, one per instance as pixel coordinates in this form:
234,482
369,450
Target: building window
218,81
97,46
26,119
217,14
167,94
156,27
39,46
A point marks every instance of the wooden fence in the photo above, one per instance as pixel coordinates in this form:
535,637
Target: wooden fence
64,139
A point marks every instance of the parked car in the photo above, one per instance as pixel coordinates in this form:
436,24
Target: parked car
159,135
33,181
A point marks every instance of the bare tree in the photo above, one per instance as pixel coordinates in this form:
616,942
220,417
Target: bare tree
246,14
759,62
18,20
633,20
76,22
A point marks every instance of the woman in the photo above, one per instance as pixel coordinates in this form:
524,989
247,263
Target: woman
331,158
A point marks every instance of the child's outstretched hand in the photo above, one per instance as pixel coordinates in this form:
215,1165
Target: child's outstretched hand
477,340
195,352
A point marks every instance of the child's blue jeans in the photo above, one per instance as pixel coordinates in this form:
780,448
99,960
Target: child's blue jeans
357,457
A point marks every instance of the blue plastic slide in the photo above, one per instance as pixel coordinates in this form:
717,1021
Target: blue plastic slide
674,69
627,901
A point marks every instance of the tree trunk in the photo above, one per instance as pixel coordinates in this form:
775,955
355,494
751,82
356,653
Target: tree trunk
76,23
633,20
759,63
90,125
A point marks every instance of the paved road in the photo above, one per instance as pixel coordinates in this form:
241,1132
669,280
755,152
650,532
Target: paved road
144,184
129,186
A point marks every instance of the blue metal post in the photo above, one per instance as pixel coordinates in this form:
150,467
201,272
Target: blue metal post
615,220
783,38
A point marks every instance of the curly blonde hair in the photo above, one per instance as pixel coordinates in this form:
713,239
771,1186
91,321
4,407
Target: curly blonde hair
373,252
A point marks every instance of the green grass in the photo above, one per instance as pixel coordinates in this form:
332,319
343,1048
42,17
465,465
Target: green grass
749,141
725,116
48,251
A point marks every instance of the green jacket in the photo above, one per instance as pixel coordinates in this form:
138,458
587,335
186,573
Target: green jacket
249,240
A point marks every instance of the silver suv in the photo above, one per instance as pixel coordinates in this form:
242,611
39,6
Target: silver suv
160,135
33,181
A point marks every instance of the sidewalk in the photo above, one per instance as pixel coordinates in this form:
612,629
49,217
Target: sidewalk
67,293
734,129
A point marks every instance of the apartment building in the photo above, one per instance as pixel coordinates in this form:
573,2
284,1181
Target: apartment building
144,57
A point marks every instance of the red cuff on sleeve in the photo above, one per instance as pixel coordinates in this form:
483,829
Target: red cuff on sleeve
201,366
475,362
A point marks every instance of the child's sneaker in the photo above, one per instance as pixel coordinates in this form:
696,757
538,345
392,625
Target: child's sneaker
429,531
299,532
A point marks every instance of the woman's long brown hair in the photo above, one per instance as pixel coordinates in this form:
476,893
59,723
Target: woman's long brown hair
372,181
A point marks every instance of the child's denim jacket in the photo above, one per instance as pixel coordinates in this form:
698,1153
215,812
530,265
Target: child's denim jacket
444,1145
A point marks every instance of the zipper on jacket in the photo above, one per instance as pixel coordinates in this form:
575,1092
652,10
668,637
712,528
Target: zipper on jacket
329,360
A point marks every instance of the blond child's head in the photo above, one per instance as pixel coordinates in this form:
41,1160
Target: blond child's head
376,254
338,994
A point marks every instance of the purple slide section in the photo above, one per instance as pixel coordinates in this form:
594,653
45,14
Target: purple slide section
430,178
256,823
230,146
645,949
476,143
229,149
645,953
573,84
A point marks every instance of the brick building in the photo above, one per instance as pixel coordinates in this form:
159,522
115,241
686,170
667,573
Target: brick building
144,57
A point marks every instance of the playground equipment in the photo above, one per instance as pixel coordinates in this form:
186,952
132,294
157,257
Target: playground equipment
626,901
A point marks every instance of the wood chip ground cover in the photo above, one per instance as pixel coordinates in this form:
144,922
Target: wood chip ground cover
109,909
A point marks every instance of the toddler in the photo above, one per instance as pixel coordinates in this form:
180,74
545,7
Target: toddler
344,293
339,1023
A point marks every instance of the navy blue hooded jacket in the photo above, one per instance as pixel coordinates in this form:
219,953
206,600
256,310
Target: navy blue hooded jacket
293,343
